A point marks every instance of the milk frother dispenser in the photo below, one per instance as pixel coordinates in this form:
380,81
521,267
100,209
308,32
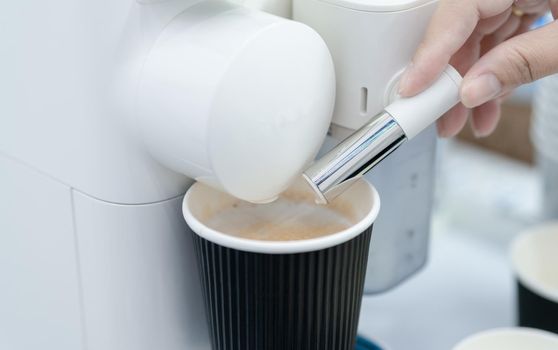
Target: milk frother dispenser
382,135
110,109
371,42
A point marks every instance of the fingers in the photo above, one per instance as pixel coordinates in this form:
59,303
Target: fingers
506,30
515,25
554,8
492,24
519,60
453,121
526,23
452,24
532,6
468,54
485,118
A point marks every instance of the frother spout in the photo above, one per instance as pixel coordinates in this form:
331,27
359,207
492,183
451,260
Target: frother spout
332,174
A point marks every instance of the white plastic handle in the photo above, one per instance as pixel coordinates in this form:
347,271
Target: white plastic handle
416,113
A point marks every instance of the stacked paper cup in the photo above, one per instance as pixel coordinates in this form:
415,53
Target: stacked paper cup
544,134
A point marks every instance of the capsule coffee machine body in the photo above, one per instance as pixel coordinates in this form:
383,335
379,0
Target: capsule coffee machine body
96,132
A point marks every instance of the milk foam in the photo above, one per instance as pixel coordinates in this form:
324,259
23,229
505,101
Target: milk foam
291,217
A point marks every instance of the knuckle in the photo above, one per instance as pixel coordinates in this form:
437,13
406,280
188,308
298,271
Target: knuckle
521,65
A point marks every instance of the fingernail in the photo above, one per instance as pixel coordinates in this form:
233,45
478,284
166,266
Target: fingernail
477,132
404,82
476,91
443,132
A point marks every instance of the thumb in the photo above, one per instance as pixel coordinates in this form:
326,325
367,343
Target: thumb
519,60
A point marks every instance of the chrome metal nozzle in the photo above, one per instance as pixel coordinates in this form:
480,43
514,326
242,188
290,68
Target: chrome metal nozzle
332,174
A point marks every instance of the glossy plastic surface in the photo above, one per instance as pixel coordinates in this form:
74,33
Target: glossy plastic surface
416,113
67,80
41,302
238,99
368,48
80,273
139,277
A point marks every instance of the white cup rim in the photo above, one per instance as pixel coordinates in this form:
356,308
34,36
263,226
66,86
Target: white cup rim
544,230
505,331
284,247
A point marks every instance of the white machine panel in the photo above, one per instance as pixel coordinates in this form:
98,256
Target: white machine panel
60,108
39,289
370,46
139,276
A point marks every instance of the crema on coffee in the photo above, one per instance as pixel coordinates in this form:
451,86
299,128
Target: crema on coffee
293,216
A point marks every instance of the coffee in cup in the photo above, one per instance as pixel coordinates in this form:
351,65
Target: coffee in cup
293,216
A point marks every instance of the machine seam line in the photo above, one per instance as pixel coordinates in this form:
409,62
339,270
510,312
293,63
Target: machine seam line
79,273
25,164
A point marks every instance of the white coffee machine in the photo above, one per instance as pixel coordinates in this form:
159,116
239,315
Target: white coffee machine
93,249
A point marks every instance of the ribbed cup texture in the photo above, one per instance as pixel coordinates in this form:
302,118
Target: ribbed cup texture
304,301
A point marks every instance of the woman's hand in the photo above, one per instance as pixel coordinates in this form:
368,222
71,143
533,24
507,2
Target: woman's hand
489,42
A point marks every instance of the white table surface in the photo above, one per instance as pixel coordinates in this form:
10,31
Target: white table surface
466,287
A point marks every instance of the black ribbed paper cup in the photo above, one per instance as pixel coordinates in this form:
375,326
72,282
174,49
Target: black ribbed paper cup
282,295
534,256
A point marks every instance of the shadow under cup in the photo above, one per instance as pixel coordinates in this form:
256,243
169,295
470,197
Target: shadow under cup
271,295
